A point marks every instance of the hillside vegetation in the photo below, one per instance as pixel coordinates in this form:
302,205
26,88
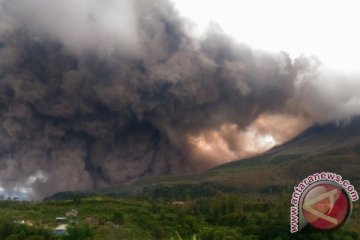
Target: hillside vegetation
223,216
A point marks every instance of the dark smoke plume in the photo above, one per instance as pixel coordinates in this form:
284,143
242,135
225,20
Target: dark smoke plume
95,93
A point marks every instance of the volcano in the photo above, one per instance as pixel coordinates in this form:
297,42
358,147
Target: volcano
332,147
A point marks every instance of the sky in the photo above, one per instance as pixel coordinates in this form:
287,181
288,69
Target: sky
326,29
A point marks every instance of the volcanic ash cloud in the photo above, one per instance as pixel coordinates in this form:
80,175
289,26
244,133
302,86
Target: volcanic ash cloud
96,93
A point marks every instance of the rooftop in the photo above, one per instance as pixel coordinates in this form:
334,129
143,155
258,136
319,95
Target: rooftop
62,227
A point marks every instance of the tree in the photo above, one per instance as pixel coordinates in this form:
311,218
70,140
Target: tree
80,232
118,217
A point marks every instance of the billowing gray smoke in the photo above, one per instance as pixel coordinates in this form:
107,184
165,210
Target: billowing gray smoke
96,92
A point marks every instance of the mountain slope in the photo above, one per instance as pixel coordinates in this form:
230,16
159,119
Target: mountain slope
329,147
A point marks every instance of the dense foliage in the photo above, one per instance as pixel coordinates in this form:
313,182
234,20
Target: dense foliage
223,216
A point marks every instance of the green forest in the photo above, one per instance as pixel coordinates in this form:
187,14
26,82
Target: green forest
218,217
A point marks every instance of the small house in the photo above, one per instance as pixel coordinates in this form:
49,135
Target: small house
61,219
72,213
61,229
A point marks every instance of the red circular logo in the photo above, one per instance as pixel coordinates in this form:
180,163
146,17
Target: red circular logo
326,206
